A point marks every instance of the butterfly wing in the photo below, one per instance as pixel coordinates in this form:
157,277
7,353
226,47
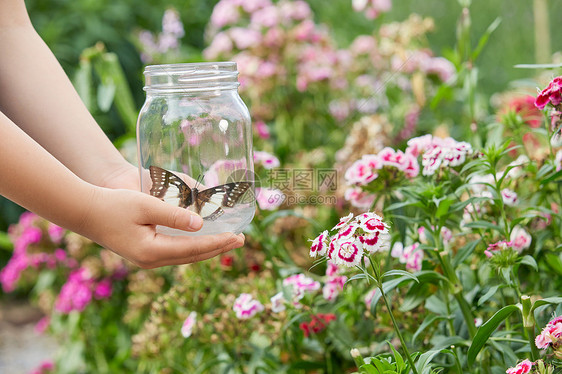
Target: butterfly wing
169,187
209,202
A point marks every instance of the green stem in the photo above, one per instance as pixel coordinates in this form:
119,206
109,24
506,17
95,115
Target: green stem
535,355
378,277
457,361
402,342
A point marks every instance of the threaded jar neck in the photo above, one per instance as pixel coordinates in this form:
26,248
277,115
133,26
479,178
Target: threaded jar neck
191,77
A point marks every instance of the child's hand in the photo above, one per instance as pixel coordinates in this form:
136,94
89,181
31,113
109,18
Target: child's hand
125,222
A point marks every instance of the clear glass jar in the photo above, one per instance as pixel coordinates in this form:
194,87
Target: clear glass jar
194,140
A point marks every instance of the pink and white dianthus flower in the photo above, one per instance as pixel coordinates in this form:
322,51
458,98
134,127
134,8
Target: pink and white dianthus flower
301,284
523,367
333,287
319,245
266,159
520,239
359,198
509,197
188,324
245,306
551,334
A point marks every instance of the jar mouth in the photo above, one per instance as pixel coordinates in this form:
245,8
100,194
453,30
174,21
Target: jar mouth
191,77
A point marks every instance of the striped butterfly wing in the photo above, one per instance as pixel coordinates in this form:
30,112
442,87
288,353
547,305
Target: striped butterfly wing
209,203
169,187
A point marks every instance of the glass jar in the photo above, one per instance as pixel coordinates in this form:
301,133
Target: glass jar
194,141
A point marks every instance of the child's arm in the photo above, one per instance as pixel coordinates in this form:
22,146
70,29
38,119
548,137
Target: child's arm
36,94
121,220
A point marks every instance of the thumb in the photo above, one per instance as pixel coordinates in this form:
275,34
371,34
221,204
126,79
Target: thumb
161,213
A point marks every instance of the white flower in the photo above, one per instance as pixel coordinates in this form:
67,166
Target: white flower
245,306
509,197
278,303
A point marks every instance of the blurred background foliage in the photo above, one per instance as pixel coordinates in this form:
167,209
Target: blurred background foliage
85,34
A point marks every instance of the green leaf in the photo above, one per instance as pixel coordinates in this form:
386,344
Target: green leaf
428,321
5,242
484,38
554,262
397,357
368,369
549,300
530,261
443,207
538,66
402,273
491,292
484,332
553,177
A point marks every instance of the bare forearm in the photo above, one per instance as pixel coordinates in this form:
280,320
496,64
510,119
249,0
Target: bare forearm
34,179
36,94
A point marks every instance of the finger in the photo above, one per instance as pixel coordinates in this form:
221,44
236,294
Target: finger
213,246
161,213
184,247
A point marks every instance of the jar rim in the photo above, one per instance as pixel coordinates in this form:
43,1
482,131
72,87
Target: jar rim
191,77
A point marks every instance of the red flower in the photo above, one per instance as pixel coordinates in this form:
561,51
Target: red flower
525,107
552,94
317,323
227,260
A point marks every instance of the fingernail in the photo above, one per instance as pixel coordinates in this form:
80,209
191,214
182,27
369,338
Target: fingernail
196,222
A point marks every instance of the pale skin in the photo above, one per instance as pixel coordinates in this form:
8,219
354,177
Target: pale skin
57,162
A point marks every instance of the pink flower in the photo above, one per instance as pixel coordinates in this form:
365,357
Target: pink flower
11,273
226,12
419,145
42,325
269,198
551,94
523,367
333,287
244,38
301,284
360,173
440,66
509,197
76,293
319,245
262,130
266,159
45,367
332,269
372,8
245,306
221,45
359,198
188,324
55,232
410,255
520,239
266,17
296,10
497,247
369,297
103,289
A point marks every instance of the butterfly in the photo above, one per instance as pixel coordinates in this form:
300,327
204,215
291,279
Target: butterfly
208,203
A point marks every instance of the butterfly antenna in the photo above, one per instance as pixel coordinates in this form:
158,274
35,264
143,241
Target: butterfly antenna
198,181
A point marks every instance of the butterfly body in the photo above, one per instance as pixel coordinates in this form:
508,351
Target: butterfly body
209,203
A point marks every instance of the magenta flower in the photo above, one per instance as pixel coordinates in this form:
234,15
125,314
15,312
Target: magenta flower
76,293
301,284
262,130
333,287
523,367
42,325
551,94
410,255
245,306
103,289
47,366
359,198
188,324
